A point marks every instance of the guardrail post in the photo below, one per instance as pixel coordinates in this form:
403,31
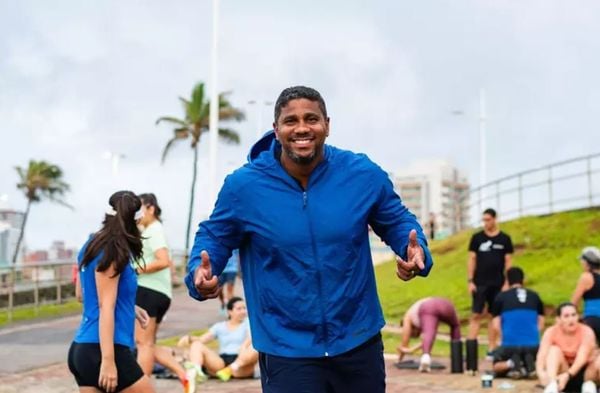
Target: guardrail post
36,290
58,286
498,197
520,192
550,198
589,178
480,200
11,293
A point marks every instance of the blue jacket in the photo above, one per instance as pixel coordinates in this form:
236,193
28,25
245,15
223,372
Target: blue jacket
305,256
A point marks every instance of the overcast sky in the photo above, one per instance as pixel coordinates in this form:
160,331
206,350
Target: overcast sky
81,78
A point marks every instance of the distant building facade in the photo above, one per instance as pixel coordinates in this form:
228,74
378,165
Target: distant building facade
10,227
437,193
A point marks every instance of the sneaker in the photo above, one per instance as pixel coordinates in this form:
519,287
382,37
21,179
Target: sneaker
552,387
425,363
589,387
195,371
189,383
224,374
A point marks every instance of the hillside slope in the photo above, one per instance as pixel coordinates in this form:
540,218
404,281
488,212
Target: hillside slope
546,247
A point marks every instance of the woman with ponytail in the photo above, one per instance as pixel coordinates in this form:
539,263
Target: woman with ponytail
101,357
154,290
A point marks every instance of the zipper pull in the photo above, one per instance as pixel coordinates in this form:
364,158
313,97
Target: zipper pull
304,198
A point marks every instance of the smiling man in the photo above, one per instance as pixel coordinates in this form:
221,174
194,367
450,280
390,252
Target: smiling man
299,212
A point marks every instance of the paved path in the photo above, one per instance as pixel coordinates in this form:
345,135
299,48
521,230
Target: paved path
27,347
57,379
33,359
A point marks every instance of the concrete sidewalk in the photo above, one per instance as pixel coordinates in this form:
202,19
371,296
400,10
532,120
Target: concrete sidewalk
33,358
58,379
36,345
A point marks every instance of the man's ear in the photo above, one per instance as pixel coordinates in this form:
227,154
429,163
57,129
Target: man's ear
276,130
327,122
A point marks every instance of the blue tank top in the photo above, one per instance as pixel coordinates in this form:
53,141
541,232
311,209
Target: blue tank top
591,299
89,329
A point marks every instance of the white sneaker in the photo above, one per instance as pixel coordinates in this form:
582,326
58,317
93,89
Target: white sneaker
552,387
190,375
425,363
589,387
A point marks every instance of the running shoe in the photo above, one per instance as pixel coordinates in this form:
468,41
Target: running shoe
552,387
189,383
589,387
224,374
425,363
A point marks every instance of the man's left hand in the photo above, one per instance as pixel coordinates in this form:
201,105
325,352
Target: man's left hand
407,270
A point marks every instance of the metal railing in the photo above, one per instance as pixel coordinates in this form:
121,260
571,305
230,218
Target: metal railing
36,283
565,185
51,282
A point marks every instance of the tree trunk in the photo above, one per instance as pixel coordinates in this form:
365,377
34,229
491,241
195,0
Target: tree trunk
191,209
16,254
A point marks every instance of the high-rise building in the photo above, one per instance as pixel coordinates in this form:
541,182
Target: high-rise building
10,227
435,191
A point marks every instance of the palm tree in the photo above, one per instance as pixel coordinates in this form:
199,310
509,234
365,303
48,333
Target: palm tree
195,123
40,180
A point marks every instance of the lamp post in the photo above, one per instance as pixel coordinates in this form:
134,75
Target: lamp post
259,118
482,136
115,159
213,126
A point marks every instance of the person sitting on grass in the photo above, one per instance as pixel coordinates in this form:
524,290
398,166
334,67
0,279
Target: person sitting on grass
566,350
519,315
236,356
422,318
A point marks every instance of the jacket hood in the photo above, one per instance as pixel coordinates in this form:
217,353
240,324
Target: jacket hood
266,143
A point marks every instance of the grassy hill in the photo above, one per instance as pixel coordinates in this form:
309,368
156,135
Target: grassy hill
546,248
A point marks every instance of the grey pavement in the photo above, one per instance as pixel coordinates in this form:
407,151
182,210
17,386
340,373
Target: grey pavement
35,345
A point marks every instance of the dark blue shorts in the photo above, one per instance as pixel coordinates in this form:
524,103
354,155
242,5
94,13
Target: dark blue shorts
225,278
360,370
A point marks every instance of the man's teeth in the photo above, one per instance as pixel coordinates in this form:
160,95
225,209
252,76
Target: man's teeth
302,141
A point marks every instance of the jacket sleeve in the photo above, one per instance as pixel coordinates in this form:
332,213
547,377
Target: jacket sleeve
218,236
392,221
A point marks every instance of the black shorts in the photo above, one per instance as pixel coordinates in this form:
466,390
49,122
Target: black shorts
84,362
357,371
525,355
485,294
594,323
155,303
227,359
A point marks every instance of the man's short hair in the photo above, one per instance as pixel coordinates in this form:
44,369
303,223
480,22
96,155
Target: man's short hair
490,212
298,92
515,275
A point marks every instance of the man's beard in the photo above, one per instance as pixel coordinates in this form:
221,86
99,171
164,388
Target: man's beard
304,160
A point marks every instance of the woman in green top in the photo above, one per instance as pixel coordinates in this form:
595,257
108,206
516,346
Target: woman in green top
154,289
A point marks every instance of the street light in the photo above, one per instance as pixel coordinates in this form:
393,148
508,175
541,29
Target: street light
213,126
482,137
259,109
114,158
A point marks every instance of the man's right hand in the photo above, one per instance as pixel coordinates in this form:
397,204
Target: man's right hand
472,288
206,284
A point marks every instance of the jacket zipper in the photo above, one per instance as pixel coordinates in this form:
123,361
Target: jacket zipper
314,248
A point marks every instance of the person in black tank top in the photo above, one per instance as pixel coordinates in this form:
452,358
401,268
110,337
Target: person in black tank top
588,288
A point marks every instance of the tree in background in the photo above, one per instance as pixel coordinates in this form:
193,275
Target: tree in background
192,126
40,180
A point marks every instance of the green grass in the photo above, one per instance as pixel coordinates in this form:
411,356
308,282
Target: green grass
44,311
546,248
